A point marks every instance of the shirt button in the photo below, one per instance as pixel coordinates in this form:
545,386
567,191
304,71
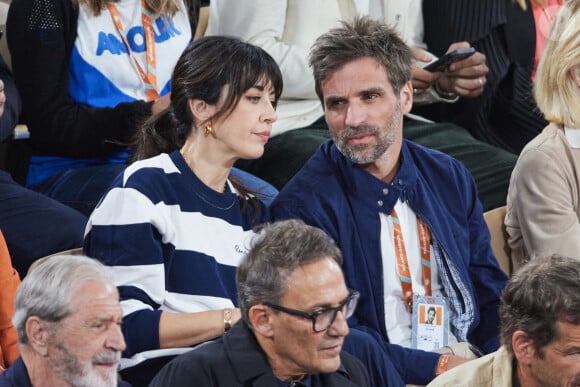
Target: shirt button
385,191
400,181
380,203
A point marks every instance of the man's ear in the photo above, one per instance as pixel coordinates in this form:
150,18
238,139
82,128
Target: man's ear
406,97
261,319
37,333
201,110
523,347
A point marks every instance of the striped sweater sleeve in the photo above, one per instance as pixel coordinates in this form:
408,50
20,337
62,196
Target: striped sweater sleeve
123,232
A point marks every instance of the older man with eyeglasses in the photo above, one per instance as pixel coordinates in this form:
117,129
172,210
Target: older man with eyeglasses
294,304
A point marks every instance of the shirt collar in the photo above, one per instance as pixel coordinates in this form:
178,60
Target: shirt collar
374,194
250,363
573,137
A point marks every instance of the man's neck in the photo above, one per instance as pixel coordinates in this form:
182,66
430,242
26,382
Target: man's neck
386,167
282,373
280,369
522,377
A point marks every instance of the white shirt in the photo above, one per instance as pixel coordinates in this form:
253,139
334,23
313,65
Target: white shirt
573,137
103,74
397,318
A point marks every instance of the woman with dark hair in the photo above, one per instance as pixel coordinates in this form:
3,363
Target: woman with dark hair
174,226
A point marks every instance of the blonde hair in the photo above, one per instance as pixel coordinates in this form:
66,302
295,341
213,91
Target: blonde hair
157,7
557,94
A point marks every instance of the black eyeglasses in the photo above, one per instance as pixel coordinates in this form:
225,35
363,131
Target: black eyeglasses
323,319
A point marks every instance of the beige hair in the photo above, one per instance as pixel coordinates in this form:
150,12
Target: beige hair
158,7
556,92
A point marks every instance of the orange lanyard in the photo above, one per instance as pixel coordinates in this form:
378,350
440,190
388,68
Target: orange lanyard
403,263
149,77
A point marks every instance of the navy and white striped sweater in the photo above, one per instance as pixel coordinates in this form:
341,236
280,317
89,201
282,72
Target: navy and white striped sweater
173,243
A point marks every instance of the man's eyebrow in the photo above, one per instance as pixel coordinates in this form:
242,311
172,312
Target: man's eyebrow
333,99
99,318
372,90
569,350
327,305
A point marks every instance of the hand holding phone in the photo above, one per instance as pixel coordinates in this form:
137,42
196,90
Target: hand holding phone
442,63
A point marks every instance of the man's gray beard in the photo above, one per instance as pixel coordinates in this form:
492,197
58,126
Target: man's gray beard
366,154
70,369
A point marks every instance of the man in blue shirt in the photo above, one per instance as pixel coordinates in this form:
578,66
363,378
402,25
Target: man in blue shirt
407,218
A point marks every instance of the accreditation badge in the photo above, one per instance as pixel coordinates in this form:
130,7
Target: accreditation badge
430,323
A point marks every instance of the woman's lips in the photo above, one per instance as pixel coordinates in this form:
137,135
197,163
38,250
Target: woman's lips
263,135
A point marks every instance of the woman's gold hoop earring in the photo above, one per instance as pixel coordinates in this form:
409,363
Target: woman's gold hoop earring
207,130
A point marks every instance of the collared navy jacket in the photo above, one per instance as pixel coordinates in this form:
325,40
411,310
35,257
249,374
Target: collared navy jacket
340,197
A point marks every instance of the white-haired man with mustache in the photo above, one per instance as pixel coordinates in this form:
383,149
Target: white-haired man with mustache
68,316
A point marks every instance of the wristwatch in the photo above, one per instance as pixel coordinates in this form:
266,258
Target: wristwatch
227,319
442,93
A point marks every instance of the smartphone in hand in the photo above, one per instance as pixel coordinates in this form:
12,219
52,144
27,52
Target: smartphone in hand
442,63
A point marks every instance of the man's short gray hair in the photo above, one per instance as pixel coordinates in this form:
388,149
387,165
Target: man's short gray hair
278,250
362,38
47,291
